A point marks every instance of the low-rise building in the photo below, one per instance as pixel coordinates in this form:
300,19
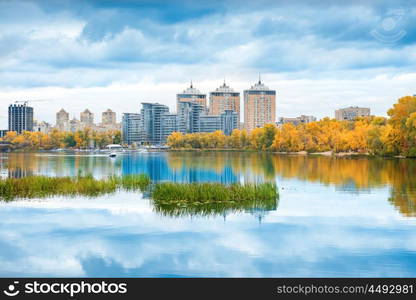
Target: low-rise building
296,120
3,133
42,126
351,113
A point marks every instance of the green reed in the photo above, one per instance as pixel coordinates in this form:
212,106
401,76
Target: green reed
176,199
44,186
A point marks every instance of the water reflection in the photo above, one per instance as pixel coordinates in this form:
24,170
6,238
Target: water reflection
348,174
168,167
334,218
51,164
352,175
258,208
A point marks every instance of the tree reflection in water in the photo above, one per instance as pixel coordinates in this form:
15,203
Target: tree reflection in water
347,174
352,174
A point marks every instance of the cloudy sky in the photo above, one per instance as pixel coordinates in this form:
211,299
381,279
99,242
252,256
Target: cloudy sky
116,54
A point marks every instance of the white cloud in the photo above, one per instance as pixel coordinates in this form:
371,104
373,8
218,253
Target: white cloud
122,234
103,58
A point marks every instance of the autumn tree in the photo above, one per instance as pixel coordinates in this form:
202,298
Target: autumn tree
287,139
401,120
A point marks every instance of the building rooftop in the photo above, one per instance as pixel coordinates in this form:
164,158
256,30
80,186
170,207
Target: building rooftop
153,103
352,107
62,111
191,90
224,89
259,86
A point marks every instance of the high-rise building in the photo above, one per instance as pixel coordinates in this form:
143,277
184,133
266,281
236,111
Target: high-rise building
193,95
109,118
87,118
209,123
229,121
259,106
74,125
62,120
169,124
20,118
224,98
350,113
226,122
192,118
132,128
188,117
151,122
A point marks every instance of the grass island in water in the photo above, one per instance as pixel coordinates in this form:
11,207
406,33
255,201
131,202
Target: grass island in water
176,199
173,199
43,186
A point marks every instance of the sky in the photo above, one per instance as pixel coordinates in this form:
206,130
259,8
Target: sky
317,55
122,235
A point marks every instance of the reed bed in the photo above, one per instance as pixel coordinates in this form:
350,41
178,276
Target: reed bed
176,199
44,186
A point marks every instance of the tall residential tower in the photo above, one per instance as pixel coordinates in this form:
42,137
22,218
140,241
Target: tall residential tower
20,118
132,128
109,118
259,106
87,118
193,95
62,120
151,114
222,99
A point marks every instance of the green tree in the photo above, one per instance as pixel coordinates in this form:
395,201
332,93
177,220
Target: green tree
69,141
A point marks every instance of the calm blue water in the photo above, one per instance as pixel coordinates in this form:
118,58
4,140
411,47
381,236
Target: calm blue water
334,217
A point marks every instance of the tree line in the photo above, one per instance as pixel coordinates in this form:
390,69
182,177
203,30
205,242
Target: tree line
395,135
55,139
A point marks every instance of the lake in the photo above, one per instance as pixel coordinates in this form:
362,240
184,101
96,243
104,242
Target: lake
335,217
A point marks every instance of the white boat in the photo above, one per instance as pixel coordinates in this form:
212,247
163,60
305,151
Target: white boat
114,149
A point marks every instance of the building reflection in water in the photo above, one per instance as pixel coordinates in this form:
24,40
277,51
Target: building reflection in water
163,167
353,175
60,165
190,168
348,174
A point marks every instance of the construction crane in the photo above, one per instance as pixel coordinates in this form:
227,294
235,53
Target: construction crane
27,101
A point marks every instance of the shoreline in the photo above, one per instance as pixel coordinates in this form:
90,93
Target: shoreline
298,153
